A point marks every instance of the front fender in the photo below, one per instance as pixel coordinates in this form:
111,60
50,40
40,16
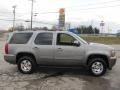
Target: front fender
94,53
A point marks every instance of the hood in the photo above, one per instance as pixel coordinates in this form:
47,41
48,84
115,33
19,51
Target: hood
101,46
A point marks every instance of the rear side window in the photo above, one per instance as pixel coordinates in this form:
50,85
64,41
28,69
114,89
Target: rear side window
44,39
20,38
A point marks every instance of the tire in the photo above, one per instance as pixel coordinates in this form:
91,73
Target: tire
97,66
26,65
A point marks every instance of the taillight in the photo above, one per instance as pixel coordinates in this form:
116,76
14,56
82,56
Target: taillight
6,48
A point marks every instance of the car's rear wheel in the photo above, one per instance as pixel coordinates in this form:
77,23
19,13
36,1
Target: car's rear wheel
26,64
97,66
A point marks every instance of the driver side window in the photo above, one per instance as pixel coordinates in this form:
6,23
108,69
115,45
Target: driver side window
65,39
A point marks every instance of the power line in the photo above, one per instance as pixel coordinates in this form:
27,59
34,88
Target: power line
11,20
70,11
84,9
93,8
43,13
44,22
73,10
6,20
47,12
68,7
82,5
28,21
51,12
67,10
92,4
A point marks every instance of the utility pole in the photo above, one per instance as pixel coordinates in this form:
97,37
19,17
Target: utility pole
14,7
31,14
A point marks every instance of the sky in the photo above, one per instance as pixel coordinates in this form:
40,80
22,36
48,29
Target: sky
76,11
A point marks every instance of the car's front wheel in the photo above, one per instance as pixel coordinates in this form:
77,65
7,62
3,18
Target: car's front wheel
26,64
97,66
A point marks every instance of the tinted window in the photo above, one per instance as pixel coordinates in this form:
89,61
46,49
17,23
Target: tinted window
65,39
20,38
44,39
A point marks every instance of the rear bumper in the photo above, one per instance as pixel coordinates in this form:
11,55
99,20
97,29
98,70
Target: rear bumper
10,58
112,62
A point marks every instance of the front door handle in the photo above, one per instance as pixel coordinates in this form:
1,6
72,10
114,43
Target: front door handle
60,49
35,47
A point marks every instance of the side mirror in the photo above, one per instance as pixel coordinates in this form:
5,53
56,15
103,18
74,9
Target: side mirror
76,43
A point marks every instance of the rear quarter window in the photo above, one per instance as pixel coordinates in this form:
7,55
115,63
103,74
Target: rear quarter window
20,38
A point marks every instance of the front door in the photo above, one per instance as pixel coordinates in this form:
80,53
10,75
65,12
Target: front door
66,53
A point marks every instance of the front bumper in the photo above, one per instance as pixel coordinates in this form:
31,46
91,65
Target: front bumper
10,58
112,62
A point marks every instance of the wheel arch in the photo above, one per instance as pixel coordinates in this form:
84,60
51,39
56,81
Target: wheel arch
20,54
105,58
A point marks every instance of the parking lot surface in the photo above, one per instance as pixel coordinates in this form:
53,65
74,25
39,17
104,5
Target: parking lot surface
57,79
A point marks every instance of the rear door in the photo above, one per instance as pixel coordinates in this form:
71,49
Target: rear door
44,48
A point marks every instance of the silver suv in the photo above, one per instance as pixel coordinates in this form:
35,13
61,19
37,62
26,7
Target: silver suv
28,49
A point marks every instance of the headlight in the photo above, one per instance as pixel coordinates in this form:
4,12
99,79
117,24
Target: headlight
112,53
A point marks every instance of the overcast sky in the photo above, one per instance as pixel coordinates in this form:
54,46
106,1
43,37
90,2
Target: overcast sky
76,10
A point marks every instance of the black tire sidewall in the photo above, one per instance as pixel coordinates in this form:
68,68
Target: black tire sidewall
97,60
31,61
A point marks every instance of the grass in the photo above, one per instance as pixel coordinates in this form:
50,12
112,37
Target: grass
104,40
